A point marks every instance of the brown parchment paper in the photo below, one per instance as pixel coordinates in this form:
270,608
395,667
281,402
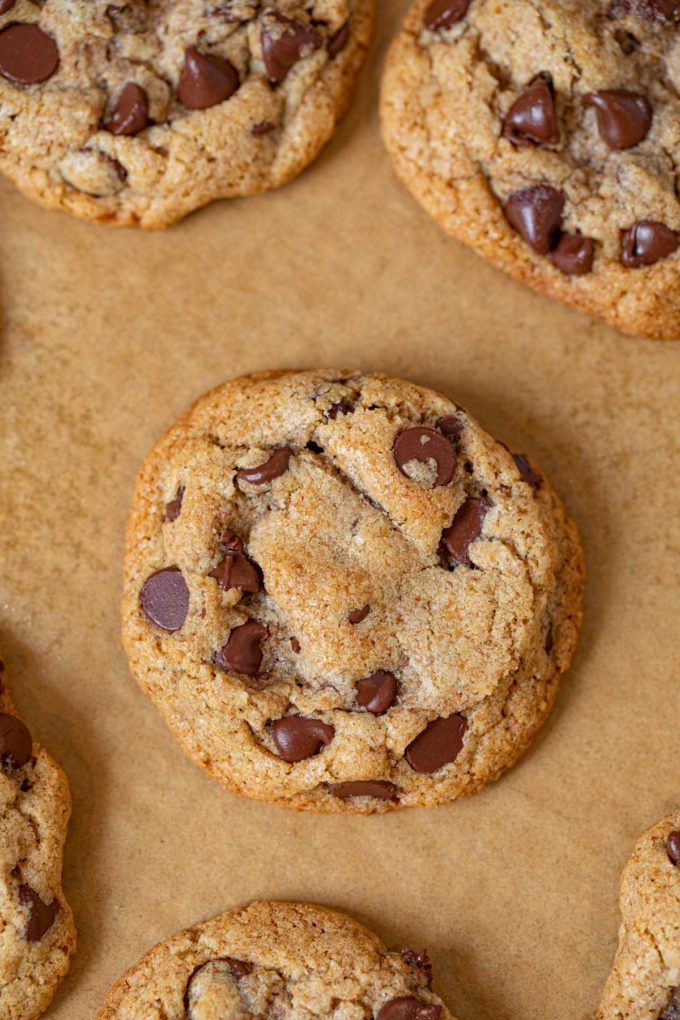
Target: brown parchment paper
106,336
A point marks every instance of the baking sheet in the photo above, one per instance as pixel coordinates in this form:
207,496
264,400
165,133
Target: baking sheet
106,336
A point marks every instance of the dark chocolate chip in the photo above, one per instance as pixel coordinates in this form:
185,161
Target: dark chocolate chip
649,10
532,118
623,118
377,692
295,645
646,242
27,54
206,80
549,640
528,474
342,407
424,444
242,652
298,737
41,915
131,114
439,744
420,962
284,42
15,741
465,528
338,41
672,1010
6,5
379,789
236,570
164,599
451,426
263,127
357,615
272,468
174,507
673,847
407,1007
239,968
536,215
573,255
445,13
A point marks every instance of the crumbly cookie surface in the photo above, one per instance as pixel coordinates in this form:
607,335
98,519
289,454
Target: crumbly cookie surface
645,981
138,112
546,136
290,960
343,595
37,934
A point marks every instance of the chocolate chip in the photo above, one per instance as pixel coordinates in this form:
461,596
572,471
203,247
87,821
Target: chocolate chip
573,255
236,570
673,847
536,215
445,13
377,692
295,645
41,915
407,1007
439,744
532,118
646,242
549,640
272,468
451,426
298,737
239,968
342,407
263,127
357,615
27,54
465,528
379,789
623,118
284,42
424,444
206,80
672,1010
16,743
164,599
338,41
6,5
131,114
649,10
174,507
528,474
242,652
420,962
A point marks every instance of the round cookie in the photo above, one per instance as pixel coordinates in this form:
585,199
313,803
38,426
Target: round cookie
37,934
547,137
343,595
645,981
287,960
138,112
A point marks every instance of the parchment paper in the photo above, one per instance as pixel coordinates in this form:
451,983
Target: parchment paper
106,337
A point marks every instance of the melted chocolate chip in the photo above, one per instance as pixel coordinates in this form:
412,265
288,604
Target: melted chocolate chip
672,1010
420,962
532,118
673,847
528,474
284,42
573,255
6,5
174,508
442,14
131,114
297,737
623,118
536,215
357,615
377,692
407,1007
263,127
549,640
27,54
236,570
41,915
465,528
649,10
295,645
647,242
206,80
379,789
439,744
16,743
338,41
272,468
239,968
164,599
451,426
424,444
242,652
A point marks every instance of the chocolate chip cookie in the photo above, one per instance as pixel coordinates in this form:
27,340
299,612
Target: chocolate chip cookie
38,935
645,981
547,137
286,960
343,595
138,112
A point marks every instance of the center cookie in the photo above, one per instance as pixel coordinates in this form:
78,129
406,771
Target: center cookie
343,595
139,112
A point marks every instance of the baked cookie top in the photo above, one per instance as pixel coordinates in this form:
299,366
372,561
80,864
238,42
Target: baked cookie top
140,111
344,595
37,935
645,981
289,960
547,135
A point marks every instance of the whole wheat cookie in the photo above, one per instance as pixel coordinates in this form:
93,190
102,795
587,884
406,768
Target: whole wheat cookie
645,981
291,961
343,595
37,934
547,136
138,112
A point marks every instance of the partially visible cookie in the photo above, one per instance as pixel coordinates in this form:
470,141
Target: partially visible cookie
138,112
344,595
645,981
292,961
37,934
546,136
